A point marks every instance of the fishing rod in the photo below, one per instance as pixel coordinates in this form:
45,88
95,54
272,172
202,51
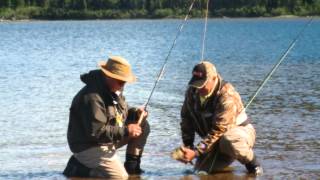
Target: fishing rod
166,59
293,43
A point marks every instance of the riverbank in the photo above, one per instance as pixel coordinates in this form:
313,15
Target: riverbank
39,13
275,17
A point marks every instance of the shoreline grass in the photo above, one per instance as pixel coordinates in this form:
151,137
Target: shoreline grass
38,13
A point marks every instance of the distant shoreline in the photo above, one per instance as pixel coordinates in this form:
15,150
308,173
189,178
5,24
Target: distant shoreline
224,17
152,9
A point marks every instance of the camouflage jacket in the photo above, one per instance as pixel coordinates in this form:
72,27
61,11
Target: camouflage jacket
220,112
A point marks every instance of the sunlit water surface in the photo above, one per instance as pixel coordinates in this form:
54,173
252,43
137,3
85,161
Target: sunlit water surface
40,64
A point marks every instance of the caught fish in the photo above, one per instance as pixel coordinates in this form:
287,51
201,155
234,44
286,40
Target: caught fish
178,154
202,173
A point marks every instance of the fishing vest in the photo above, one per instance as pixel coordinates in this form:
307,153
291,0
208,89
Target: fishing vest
203,115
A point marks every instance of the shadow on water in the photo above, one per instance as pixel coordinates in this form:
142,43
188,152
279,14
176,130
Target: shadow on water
217,176
32,175
186,175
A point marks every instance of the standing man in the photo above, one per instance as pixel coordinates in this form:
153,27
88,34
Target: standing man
100,122
213,109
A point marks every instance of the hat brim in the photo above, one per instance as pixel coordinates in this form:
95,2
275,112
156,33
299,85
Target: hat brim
197,83
130,78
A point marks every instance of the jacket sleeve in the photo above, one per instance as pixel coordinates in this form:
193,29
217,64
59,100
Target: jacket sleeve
97,118
187,129
227,109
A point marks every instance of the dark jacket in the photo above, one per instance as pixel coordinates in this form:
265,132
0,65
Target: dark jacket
92,120
211,120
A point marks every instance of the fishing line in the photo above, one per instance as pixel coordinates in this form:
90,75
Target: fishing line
205,30
167,57
203,48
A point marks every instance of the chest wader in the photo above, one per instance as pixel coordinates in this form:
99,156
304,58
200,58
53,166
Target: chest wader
132,162
76,169
202,114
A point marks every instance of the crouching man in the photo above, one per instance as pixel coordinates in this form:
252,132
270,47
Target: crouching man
213,109
100,122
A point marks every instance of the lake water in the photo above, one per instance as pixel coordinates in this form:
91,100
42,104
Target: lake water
40,64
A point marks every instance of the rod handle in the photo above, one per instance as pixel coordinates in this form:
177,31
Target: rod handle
141,117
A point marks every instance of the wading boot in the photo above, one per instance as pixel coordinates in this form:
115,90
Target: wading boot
254,167
76,169
132,164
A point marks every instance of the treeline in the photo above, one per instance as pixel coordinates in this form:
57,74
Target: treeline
114,9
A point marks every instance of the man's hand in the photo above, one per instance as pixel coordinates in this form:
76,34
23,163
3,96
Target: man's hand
134,130
188,154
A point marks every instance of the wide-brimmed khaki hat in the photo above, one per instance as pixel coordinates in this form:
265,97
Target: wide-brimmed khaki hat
201,73
117,68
